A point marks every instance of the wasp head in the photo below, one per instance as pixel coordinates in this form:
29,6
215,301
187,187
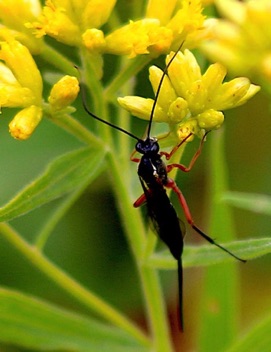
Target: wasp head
147,146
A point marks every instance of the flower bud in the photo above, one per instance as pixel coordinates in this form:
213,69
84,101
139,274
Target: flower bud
64,92
93,39
25,122
141,107
210,119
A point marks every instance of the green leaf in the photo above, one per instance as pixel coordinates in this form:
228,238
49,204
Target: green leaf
63,175
32,323
206,255
257,339
258,203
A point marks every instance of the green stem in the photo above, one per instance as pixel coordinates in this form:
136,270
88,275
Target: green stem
92,81
64,281
92,64
75,128
131,69
58,60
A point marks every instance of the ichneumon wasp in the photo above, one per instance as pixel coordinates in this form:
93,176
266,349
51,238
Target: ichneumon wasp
153,176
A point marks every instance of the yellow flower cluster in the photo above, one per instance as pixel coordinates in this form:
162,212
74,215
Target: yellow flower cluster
189,101
166,24
242,41
21,87
14,14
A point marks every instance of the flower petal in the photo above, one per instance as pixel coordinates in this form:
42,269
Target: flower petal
167,94
96,12
231,93
183,71
141,107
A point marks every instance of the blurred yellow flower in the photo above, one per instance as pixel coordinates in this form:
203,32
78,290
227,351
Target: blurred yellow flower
67,20
138,37
161,10
167,24
242,41
190,102
188,24
14,14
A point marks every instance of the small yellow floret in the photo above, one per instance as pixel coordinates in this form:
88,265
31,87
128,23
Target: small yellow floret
64,92
25,122
19,60
55,22
138,38
93,40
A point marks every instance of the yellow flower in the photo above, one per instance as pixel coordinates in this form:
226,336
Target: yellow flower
188,24
137,38
161,9
20,86
63,93
56,22
20,77
190,101
242,40
67,20
14,14
166,26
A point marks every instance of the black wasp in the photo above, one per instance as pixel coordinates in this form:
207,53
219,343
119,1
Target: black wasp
153,176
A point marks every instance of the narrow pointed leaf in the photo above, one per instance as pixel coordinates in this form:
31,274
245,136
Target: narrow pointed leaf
206,255
61,176
34,324
258,203
258,339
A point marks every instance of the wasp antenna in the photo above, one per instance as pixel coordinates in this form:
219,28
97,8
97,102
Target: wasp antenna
89,112
159,89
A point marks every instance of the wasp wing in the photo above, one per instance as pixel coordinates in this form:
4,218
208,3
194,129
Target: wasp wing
168,227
